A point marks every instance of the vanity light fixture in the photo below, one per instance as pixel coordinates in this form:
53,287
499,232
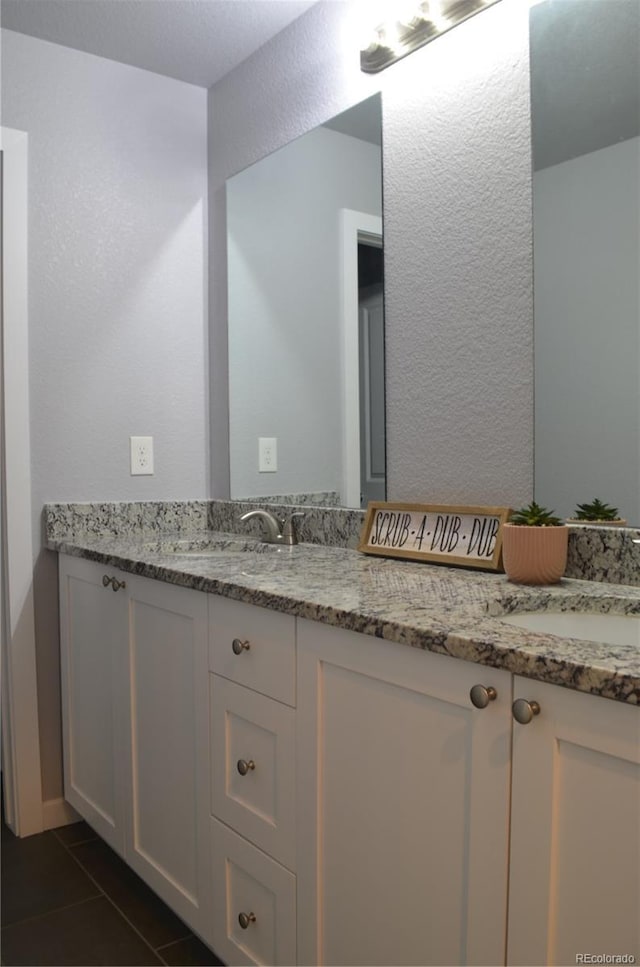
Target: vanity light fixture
423,21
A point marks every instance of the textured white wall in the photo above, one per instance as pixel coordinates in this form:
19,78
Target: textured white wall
458,279
458,250
117,295
285,338
587,252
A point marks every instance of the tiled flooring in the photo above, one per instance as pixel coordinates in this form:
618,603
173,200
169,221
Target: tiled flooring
68,899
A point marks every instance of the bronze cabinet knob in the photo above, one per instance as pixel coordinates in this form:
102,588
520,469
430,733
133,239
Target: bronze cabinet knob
481,695
238,646
524,711
244,767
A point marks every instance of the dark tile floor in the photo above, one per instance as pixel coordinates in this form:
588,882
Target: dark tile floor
68,899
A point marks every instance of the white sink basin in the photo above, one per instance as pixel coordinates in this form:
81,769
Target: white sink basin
210,547
614,629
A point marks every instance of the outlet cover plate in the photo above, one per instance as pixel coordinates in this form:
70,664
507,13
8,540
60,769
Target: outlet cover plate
141,454
267,454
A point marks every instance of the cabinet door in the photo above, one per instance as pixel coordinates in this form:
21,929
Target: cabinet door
93,630
403,797
575,851
167,747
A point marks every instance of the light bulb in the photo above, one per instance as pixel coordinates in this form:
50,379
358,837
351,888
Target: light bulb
390,37
408,12
435,13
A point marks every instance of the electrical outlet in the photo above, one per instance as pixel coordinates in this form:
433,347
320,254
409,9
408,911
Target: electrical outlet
267,454
141,448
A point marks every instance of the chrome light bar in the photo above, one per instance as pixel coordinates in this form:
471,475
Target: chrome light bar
422,23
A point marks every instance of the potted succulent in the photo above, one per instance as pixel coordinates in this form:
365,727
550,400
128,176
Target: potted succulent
597,512
534,546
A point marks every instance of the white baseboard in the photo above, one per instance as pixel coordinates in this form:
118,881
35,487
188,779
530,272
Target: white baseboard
58,812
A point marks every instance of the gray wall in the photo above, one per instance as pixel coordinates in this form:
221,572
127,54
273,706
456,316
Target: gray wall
117,185
458,249
117,296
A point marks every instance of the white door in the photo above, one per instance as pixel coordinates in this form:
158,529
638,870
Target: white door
403,798
372,424
356,228
575,846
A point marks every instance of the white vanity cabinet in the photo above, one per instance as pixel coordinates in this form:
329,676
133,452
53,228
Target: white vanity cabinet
303,794
575,828
403,807
252,657
135,725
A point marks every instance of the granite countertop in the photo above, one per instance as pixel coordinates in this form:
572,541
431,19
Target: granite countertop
447,610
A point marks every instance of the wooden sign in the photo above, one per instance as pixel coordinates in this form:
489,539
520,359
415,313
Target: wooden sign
467,536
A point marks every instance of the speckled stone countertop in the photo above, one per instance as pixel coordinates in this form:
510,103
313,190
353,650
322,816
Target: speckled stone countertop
442,609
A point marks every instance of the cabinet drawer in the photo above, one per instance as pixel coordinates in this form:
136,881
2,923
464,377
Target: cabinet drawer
252,767
267,662
248,882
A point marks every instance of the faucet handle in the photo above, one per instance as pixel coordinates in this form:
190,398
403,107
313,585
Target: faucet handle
289,533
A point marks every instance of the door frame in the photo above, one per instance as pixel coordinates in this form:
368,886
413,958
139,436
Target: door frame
20,728
370,484
355,227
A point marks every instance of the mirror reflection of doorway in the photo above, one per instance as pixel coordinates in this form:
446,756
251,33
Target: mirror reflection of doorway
371,369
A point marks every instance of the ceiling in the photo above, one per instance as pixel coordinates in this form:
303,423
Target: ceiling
197,41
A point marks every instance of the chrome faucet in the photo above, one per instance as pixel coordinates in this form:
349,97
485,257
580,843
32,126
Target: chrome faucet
276,530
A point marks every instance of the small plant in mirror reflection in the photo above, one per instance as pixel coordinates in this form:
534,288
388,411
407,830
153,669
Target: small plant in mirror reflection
596,510
534,516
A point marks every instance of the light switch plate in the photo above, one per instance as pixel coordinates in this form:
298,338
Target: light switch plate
141,452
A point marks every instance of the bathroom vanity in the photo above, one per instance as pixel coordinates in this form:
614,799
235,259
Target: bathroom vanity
312,755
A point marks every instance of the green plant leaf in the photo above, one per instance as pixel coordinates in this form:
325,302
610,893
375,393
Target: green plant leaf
533,515
596,510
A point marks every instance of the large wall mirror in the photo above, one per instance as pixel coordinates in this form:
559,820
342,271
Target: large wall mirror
306,318
585,107
301,376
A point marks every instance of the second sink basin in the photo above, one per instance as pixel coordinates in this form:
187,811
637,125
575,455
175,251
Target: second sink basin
209,547
614,629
